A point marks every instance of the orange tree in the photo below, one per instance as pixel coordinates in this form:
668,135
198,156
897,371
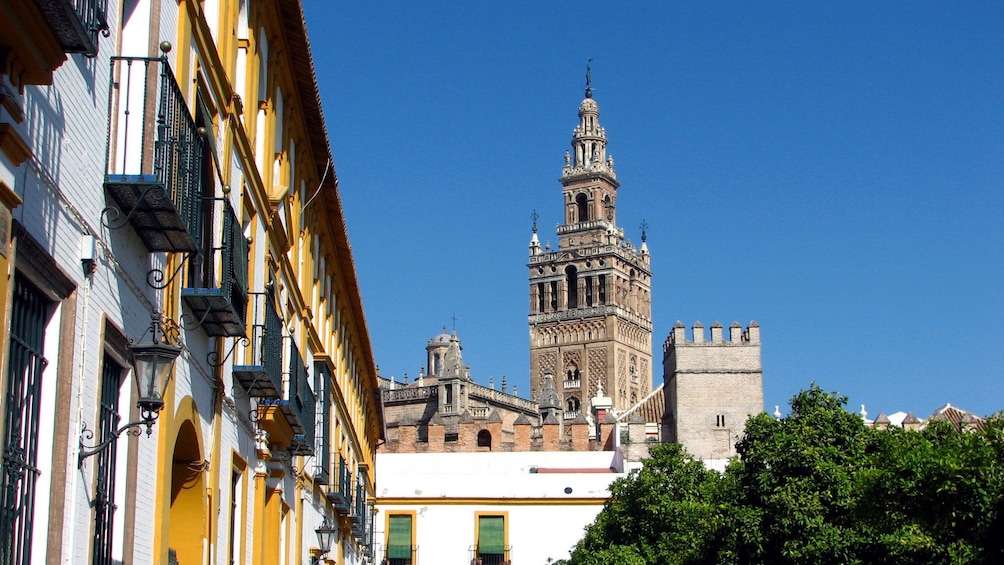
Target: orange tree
817,486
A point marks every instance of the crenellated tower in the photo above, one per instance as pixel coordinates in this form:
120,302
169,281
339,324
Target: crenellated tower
590,299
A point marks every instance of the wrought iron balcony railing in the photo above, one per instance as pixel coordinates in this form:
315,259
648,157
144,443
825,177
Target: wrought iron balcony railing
262,377
217,294
340,493
76,23
497,556
154,157
299,405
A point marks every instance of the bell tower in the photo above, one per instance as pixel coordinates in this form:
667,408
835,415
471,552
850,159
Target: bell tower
590,299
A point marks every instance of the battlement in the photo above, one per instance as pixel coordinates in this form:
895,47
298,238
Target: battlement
737,335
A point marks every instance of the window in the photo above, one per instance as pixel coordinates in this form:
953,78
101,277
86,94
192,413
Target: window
589,291
490,547
236,511
582,207
554,296
603,289
104,492
572,406
720,420
485,439
400,539
29,315
572,282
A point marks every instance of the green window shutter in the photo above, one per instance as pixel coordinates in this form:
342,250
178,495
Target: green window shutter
399,537
491,535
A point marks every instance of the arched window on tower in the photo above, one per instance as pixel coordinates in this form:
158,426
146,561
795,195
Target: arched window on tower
572,284
583,207
572,372
572,407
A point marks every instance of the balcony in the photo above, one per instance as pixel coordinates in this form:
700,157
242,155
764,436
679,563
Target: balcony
572,384
300,404
340,493
218,291
154,158
289,421
262,378
490,555
76,23
360,509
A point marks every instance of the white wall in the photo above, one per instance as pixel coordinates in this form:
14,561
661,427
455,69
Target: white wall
446,490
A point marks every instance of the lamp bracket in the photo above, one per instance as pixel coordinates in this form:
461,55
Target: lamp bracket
132,429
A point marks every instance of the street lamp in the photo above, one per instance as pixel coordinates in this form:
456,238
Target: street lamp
153,365
326,534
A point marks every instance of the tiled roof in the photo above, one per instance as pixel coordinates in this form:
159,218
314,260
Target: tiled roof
650,409
956,416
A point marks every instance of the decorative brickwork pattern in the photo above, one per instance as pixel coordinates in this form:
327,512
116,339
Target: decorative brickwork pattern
621,377
597,368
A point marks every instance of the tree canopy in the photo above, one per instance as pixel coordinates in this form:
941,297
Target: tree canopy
817,486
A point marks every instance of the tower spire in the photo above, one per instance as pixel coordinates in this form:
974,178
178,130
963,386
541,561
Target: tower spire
589,139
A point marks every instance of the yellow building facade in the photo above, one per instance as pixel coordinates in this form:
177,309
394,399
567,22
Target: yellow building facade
167,180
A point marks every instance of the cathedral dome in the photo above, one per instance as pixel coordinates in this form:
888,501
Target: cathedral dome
441,339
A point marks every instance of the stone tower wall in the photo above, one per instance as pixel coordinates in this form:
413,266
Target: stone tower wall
712,387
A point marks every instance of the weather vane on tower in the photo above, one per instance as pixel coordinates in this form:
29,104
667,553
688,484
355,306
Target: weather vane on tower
589,79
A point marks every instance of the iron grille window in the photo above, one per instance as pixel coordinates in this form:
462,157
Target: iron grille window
104,493
29,314
322,385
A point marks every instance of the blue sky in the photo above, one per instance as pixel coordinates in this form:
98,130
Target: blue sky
833,171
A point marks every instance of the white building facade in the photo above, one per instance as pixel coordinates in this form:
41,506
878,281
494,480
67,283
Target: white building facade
157,160
491,508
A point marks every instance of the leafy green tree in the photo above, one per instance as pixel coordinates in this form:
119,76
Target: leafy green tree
794,484
817,486
664,513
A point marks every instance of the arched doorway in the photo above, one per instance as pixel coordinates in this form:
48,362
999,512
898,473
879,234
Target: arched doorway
188,497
